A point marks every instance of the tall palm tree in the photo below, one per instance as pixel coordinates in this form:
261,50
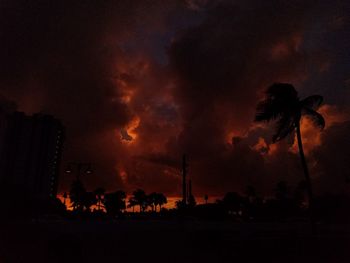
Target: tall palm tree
76,194
114,202
65,195
89,199
160,200
152,201
141,199
132,203
99,192
283,105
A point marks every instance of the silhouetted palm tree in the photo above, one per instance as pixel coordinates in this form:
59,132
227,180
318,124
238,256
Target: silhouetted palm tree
180,204
65,198
151,200
99,192
283,105
140,197
132,203
115,202
160,200
76,195
89,199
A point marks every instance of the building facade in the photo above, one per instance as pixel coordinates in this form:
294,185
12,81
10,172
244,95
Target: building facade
30,154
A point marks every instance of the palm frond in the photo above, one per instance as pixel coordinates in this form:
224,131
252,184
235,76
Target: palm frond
281,98
282,91
316,118
267,111
285,126
312,102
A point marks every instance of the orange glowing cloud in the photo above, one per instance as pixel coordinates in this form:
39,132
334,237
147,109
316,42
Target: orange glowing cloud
333,115
311,136
261,146
129,134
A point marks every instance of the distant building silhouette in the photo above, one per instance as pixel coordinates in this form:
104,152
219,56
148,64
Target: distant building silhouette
30,153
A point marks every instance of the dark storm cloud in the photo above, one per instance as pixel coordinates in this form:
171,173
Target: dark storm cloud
55,59
161,159
139,83
333,157
60,57
222,66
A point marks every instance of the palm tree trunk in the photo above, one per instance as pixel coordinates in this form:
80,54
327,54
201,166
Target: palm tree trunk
306,173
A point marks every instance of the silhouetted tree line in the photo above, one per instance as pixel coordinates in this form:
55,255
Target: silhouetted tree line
286,203
143,201
112,203
83,201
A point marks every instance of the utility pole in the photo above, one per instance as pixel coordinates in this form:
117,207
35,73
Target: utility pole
184,174
189,197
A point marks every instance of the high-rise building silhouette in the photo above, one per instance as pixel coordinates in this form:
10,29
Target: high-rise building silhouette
30,153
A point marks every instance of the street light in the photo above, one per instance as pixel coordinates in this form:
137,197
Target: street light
79,166
68,169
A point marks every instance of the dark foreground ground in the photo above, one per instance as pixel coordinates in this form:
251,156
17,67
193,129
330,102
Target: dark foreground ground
172,241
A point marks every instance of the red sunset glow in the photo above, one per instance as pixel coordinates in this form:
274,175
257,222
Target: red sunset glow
140,87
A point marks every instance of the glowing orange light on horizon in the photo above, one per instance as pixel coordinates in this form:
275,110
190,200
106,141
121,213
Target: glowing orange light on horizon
169,205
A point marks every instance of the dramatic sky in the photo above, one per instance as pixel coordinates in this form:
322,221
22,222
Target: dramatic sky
139,83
